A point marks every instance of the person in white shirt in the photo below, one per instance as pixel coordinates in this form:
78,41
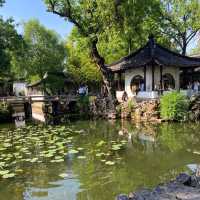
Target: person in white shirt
196,86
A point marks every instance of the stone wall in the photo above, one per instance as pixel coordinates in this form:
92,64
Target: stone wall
194,113
141,111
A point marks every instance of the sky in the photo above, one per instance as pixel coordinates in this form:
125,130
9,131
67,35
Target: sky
23,10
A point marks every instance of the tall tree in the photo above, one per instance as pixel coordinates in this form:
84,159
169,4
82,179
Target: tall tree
79,63
91,18
44,51
181,21
10,43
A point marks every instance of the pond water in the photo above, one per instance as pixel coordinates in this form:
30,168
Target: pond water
93,160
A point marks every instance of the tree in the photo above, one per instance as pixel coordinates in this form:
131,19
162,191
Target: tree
180,21
91,18
100,22
44,51
79,63
10,44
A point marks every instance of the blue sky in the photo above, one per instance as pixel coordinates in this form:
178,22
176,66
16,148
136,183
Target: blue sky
23,10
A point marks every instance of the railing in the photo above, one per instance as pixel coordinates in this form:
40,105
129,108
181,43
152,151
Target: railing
38,98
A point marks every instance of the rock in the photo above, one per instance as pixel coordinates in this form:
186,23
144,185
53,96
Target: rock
184,187
194,113
122,197
184,179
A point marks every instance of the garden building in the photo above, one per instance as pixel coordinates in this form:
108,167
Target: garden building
154,69
53,83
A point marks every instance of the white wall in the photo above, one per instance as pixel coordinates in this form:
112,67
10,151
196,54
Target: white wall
175,72
19,87
129,74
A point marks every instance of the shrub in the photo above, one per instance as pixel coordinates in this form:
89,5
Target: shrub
5,112
174,106
131,105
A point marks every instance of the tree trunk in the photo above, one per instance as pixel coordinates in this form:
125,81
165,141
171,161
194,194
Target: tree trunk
184,45
106,74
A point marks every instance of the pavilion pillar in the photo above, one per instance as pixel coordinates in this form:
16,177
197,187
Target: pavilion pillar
119,81
161,77
145,77
153,84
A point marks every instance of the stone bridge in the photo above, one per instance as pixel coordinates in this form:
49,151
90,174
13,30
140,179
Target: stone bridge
40,107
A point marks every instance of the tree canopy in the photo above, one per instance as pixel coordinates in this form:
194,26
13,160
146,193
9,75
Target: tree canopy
79,63
10,44
180,21
44,51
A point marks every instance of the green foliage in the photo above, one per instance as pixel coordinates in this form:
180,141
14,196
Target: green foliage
174,106
180,21
131,105
83,103
5,114
10,44
79,63
44,52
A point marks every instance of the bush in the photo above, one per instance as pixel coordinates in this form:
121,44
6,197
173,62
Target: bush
174,106
131,105
5,112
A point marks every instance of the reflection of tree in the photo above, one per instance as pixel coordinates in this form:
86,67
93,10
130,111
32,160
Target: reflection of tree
179,136
140,166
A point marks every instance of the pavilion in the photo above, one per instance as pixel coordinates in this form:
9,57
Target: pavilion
153,68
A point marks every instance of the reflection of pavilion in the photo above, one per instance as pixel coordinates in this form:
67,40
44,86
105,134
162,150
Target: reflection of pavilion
154,68
144,133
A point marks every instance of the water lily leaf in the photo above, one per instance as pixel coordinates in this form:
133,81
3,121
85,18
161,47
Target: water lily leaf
64,175
72,151
109,163
18,170
33,160
196,152
7,145
116,147
3,172
8,175
101,143
80,148
81,157
99,154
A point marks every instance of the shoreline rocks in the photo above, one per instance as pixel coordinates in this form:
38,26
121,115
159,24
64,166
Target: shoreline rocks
184,187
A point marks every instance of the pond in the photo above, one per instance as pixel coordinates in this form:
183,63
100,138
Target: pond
93,160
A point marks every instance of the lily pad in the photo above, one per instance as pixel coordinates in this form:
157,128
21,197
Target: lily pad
81,157
3,172
109,163
73,151
64,175
8,175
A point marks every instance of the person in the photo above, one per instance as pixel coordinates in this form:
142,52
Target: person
142,87
125,96
196,86
189,89
81,90
134,90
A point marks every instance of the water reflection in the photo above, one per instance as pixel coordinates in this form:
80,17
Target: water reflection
153,154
